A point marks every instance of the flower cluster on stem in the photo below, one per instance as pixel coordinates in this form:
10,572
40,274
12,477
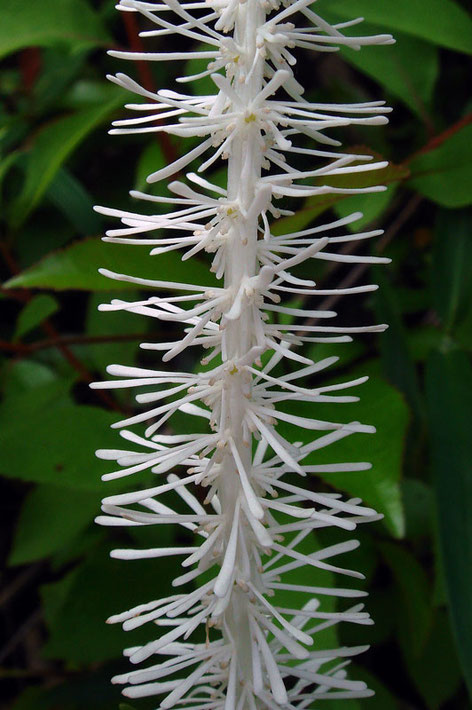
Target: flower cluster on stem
228,640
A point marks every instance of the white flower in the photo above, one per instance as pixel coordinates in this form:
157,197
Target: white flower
249,524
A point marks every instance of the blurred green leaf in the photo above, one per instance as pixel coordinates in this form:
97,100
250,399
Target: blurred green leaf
409,72
204,85
380,607
436,671
441,22
449,394
318,204
372,206
384,407
444,175
114,324
306,575
451,282
463,331
411,300
61,438
418,504
41,235
427,306
383,699
415,590
76,548
49,518
60,69
30,699
20,376
48,23
77,607
397,363
6,163
75,202
341,704
349,353
51,147
76,267
422,340
34,313
150,160
88,91
74,693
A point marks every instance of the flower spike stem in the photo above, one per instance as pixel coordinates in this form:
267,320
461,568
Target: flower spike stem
246,530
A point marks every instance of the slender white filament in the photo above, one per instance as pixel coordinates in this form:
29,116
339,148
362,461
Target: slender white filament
243,637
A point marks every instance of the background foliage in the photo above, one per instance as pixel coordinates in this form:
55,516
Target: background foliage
58,583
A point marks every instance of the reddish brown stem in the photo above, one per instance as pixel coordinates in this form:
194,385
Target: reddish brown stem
438,140
146,78
30,66
51,332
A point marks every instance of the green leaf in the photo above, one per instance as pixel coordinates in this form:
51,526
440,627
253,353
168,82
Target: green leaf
408,71
205,85
51,148
442,22
114,324
61,438
77,606
435,687
349,353
463,331
34,313
74,693
384,407
30,699
47,23
451,282
421,341
50,517
306,575
341,704
383,699
6,163
397,363
314,206
372,206
60,71
449,394
150,160
75,202
78,547
20,376
415,591
76,267
444,175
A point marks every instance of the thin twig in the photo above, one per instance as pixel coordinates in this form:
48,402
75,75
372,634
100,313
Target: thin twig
146,78
51,332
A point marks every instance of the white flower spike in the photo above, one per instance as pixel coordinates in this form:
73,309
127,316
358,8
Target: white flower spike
231,640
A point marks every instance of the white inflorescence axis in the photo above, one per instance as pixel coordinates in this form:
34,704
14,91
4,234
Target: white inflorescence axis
247,527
